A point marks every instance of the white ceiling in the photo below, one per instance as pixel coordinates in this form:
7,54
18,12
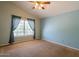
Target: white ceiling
53,9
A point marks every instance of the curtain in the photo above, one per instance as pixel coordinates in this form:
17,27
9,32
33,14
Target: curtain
32,24
14,23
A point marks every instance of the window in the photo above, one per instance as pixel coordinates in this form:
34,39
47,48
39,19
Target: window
23,29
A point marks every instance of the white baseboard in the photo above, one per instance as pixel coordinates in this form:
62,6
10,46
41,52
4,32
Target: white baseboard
4,44
62,44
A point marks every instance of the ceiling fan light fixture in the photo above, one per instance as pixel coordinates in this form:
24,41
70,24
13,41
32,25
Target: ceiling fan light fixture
39,4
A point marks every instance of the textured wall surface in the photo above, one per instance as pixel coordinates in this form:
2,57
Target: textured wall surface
63,29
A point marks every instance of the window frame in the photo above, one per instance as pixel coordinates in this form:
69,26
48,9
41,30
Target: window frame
29,25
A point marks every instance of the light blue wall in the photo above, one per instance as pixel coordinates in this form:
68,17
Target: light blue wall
63,29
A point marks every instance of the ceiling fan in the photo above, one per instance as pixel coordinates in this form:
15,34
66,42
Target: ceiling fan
39,4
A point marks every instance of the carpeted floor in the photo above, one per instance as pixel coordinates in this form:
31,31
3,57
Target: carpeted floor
37,48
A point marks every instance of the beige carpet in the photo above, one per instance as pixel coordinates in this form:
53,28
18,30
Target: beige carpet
37,48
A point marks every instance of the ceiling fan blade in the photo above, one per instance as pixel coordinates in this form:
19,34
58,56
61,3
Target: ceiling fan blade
40,2
45,2
33,1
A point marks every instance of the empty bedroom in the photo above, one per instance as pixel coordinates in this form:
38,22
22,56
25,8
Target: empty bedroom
39,28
